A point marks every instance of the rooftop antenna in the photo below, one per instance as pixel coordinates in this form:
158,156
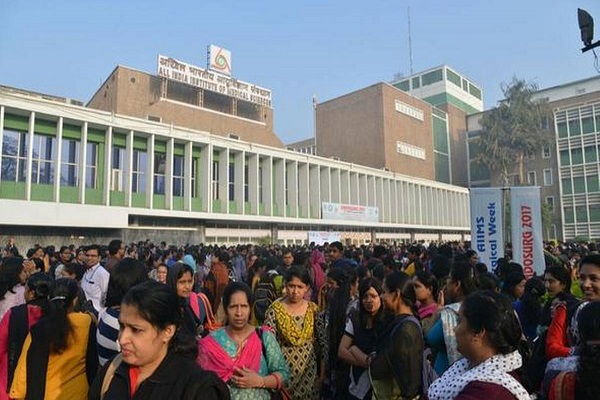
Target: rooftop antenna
410,44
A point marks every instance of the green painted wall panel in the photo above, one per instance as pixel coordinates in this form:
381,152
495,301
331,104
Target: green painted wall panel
138,200
117,199
196,152
178,203
160,146
12,190
233,209
45,127
96,135
42,192
71,132
247,208
16,122
159,201
179,150
445,98
119,140
93,196
196,204
217,206
69,194
261,209
140,143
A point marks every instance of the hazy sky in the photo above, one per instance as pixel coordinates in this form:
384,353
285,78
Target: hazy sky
295,48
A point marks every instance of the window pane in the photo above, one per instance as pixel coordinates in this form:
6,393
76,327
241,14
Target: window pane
576,156
68,175
579,185
567,186
587,124
569,217
564,157
10,143
9,169
90,177
562,129
574,128
590,154
581,214
594,213
592,183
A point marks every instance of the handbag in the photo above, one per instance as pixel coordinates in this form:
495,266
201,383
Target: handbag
281,393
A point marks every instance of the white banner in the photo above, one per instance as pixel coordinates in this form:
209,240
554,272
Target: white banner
215,82
487,226
526,229
319,238
350,212
219,59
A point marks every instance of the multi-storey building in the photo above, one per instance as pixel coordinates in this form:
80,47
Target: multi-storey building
77,174
568,170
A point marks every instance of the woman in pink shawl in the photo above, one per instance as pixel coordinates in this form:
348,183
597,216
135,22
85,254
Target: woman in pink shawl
247,359
317,261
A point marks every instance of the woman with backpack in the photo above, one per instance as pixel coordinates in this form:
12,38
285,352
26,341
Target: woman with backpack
397,367
17,323
247,359
59,359
488,336
198,317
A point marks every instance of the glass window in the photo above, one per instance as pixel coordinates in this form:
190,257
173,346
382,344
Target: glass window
531,178
550,202
475,91
69,162
574,127
579,185
44,152
160,165
416,82
432,77
569,216
587,125
547,177
594,212
91,166
14,156
581,213
140,168
118,168
404,85
592,183
453,77
576,156
215,180
231,182
246,176
562,129
546,152
194,180
590,154
260,184
567,186
178,175
564,157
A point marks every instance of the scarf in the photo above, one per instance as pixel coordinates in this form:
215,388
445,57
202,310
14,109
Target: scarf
449,317
212,357
493,370
427,311
316,260
289,329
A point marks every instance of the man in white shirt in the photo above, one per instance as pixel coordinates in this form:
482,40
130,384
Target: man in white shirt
95,279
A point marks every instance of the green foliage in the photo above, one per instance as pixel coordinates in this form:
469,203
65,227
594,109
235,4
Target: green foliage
264,241
546,218
511,130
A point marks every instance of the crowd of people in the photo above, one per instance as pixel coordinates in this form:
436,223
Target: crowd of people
385,321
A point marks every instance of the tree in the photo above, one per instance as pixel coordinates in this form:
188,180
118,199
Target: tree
512,130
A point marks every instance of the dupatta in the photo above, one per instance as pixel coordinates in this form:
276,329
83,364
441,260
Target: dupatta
212,357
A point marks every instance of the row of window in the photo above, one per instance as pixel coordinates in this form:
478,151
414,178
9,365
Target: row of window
576,156
532,177
581,185
582,214
15,147
579,121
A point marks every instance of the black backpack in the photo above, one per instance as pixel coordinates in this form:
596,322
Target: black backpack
264,296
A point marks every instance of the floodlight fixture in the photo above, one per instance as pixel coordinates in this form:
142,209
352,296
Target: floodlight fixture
586,27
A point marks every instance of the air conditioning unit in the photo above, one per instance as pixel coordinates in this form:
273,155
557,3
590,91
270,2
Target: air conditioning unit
116,182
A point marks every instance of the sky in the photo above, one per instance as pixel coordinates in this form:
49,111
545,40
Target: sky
296,49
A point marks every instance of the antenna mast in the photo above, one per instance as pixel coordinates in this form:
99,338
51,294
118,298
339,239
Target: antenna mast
410,44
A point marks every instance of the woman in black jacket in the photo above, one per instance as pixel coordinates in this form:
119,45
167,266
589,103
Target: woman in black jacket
157,360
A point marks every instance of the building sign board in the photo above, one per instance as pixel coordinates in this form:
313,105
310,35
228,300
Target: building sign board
176,70
219,60
348,212
410,150
409,110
